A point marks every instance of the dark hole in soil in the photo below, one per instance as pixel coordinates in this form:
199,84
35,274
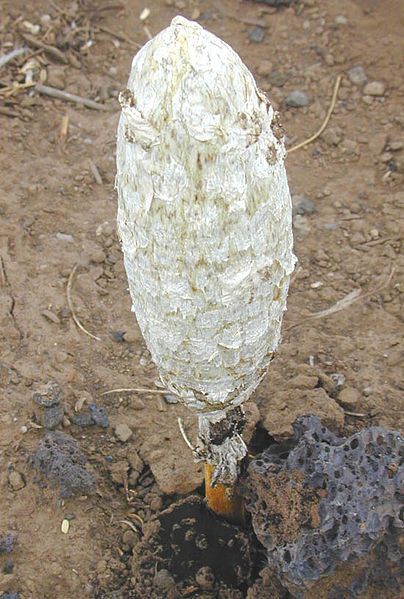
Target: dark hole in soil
187,539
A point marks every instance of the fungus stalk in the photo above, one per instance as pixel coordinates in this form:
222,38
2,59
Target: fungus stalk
205,221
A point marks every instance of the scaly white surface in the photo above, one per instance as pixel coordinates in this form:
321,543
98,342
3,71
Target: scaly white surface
204,216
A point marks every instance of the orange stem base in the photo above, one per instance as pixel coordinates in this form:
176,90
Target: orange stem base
223,499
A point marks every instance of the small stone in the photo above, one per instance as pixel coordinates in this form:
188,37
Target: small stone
105,230
350,147
99,415
97,256
50,316
7,542
119,471
56,77
101,566
49,395
341,20
123,432
84,419
304,205
338,378
396,146
301,226
332,136
130,336
8,566
374,233
374,88
171,399
278,79
156,504
53,416
16,480
349,397
118,336
265,68
163,580
130,538
205,578
256,35
65,237
357,75
297,99
65,526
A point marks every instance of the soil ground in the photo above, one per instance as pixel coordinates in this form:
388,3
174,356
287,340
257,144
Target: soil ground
344,366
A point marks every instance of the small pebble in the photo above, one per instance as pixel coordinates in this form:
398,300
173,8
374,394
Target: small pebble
99,415
130,538
297,99
65,237
256,35
84,419
49,395
16,480
305,205
97,256
357,75
130,336
65,526
278,79
341,20
8,566
118,336
171,399
265,68
349,397
7,542
374,88
123,432
53,416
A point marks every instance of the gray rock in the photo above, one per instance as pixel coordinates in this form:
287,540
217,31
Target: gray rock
49,395
99,415
256,35
7,542
53,416
357,75
84,419
304,205
297,99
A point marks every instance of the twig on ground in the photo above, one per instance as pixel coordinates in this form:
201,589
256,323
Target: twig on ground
352,297
95,172
130,524
64,129
147,32
134,390
119,36
308,141
50,50
71,307
355,414
6,58
184,435
54,92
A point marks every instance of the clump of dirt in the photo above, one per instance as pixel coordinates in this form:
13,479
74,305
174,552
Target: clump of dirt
322,500
60,460
189,551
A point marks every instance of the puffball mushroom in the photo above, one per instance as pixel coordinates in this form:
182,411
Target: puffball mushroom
205,221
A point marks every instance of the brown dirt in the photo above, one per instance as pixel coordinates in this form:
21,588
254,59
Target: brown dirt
54,215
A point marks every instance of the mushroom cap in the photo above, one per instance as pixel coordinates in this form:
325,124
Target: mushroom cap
204,216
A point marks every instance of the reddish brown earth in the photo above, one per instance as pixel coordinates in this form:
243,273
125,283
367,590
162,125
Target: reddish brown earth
54,215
